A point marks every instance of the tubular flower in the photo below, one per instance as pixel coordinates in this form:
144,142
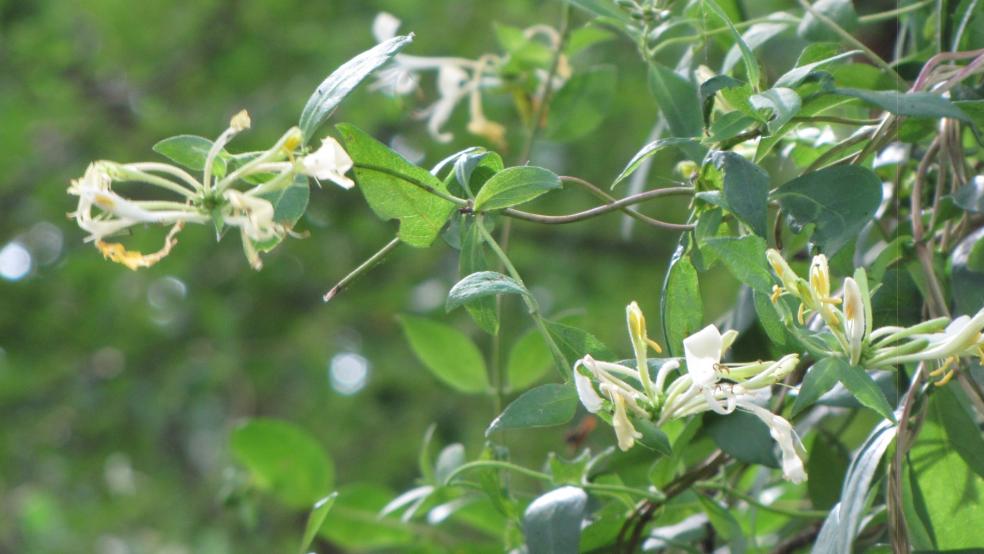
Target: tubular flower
617,392
854,324
456,79
789,442
940,340
103,212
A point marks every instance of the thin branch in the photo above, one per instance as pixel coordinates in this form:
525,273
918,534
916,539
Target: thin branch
610,207
600,193
363,267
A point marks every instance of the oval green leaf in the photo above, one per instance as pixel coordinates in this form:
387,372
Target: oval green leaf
450,355
544,406
515,185
283,459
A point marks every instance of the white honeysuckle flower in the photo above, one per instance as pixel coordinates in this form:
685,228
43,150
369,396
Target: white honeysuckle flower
329,162
591,400
452,87
624,431
396,79
703,351
253,215
384,26
854,324
789,442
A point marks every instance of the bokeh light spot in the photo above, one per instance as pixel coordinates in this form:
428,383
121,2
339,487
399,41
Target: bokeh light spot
348,373
15,261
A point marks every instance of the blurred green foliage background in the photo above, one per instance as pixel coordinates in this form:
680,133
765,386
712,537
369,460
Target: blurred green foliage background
118,389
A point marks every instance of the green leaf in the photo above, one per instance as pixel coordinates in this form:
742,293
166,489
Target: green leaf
728,126
970,197
569,472
343,80
743,436
355,524
283,459
751,64
581,104
746,189
841,11
552,522
864,388
951,408
841,526
951,489
515,185
653,437
289,204
472,260
191,151
839,200
574,343
681,304
798,74
910,104
768,318
826,466
529,359
421,214
819,379
450,355
745,259
482,285
315,520
677,100
783,102
544,406
691,148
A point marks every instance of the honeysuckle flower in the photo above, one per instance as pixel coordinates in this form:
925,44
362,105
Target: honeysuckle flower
789,442
703,351
396,79
329,162
854,323
457,79
617,391
636,322
103,212
625,432
591,400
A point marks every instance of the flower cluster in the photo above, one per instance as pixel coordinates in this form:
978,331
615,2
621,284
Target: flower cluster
103,212
623,394
848,319
457,79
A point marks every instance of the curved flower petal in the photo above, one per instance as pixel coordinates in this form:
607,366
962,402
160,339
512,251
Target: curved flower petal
330,162
854,324
384,26
585,390
624,430
789,443
703,352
